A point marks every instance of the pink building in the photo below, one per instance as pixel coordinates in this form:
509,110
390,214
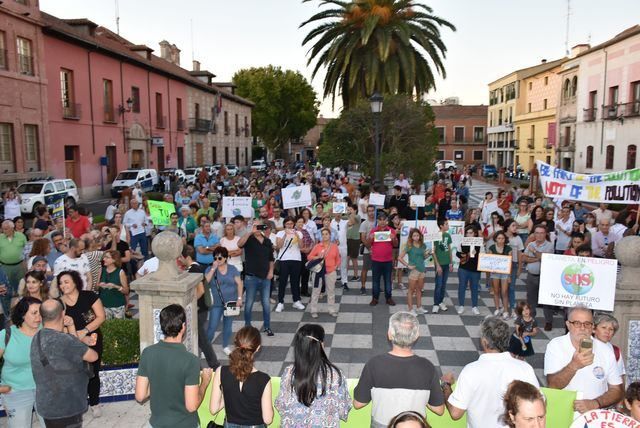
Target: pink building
23,94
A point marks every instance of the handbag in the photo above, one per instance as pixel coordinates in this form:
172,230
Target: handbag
276,264
231,308
316,265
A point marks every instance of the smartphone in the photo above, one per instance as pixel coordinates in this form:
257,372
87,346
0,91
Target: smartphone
586,345
261,227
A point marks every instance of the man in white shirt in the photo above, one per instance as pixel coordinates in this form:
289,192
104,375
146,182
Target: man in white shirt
564,227
570,364
136,193
603,212
74,259
277,220
340,225
483,383
403,183
111,210
135,219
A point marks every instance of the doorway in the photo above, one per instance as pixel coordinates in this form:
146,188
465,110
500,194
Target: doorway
180,151
199,155
137,159
71,158
160,150
112,164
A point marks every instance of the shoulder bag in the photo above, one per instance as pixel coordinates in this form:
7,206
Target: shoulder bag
276,264
231,308
316,265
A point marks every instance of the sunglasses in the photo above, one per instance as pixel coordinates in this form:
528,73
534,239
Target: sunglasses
219,258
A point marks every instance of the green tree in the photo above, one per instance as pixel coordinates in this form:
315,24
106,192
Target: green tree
285,103
408,138
367,46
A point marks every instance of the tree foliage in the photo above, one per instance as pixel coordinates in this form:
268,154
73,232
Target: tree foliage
285,103
408,138
367,46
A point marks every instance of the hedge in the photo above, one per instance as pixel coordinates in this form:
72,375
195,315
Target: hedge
121,342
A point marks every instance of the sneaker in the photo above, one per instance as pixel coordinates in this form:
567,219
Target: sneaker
514,316
314,315
272,300
227,350
413,312
497,312
443,307
96,411
268,331
505,316
345,287
420,310
475,310
435,309
280,307
298,305
363,291
334,314
338,278
460,310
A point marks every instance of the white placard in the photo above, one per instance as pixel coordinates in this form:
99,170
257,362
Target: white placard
376,199
487,209
294,197
339,207
603,418
340,196
570,280
429,227
237,205
472,241
382,236
417,201
496,263
431,237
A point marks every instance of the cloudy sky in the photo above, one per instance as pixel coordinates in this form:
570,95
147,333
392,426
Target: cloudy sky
494,37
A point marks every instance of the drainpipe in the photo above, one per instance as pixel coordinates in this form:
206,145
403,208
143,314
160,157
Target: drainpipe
121,113
604,89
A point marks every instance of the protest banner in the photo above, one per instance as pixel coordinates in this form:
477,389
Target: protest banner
160,212
382,236
56,206
376,199
417,201
430,227
570,280
495,263
472,241
294,197
237,205
487,209
622,187
604,418
339,207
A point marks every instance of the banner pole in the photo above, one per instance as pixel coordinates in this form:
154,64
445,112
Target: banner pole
375,215
416,226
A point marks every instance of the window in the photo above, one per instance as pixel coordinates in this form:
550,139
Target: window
500,117
226,123
179,114
440,155
589,160
214,122
635,98
3,52
246,127
546,80
159,116
67,94
6,147
566,89
135,97
478,155
631,156
25,60
609,157
31,143
107,95
613,95
530,85
196,109
237,127
441,134
458,134
529,108
544,104
478,134
226,155
238,156
574,86
458,155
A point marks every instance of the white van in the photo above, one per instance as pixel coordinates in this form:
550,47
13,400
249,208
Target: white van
148,179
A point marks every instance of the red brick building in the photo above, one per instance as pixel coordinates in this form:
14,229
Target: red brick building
462,133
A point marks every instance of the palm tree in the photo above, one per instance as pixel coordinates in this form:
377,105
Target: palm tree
372,46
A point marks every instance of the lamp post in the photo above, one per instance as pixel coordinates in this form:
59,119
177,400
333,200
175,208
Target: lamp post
376,108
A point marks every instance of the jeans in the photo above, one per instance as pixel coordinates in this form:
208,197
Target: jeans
473,279
344,260
19,405
140,239
304,276
203,343
290,269
441,285
512,285
68,422
253,284
381,270
215,313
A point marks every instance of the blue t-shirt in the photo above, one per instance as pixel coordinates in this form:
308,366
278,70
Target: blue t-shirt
227,283
203,241
16,371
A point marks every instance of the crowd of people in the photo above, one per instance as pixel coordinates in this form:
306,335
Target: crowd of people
308,252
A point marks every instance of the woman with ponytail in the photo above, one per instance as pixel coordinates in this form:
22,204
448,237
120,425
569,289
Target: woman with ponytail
313,392
240,388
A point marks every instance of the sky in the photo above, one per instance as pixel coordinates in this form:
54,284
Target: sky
493,37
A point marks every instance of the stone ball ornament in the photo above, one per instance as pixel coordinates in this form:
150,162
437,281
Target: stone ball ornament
167,247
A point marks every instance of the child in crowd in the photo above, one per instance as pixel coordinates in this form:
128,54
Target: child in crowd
632,400
526,327
416,252
454,213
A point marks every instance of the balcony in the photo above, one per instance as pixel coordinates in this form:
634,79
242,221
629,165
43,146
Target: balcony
71,111
547,144
25,64
180,125
109,114
630,109
531,143
199,125
610,112
590,114
161,122
227,130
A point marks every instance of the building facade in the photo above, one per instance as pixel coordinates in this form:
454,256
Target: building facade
608,105
24,134
306,148
461,133
500,114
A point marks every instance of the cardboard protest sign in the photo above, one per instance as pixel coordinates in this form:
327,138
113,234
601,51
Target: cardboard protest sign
604,418
430,228
376,199
417,200
487,209
382,236
495,263
570,280
237,205
472,241
160,212
340,196
57,207
294,197
339,207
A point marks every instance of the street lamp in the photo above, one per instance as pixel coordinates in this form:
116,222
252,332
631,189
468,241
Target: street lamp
376,108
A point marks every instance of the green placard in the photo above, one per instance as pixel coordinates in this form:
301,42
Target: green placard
161,212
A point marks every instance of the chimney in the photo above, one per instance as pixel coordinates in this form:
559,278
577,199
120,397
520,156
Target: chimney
165,50
175,55
578,49
196,65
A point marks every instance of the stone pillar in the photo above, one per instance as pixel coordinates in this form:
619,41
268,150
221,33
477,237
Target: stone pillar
627,305
166,286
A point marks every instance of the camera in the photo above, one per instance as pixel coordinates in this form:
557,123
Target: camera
261,227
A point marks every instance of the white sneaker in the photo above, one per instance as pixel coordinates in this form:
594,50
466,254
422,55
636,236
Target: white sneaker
298,305
435,309
460,310
421,311
497,312
227,350
475,310
413,312
505,316
280,307
96,411
443,307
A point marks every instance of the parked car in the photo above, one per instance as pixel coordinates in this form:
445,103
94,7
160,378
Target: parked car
174,171
445,164
191,175
489,171
232,169
148,179
46,192
259,165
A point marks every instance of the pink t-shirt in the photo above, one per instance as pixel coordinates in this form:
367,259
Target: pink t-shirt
382,251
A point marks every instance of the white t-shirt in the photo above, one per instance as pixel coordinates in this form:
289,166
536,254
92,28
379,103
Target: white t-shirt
279,222
79,264
591,380
482,384
230,245
365,227
293,250
11,208
135,217
517,247
563,241
149,266
341,226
